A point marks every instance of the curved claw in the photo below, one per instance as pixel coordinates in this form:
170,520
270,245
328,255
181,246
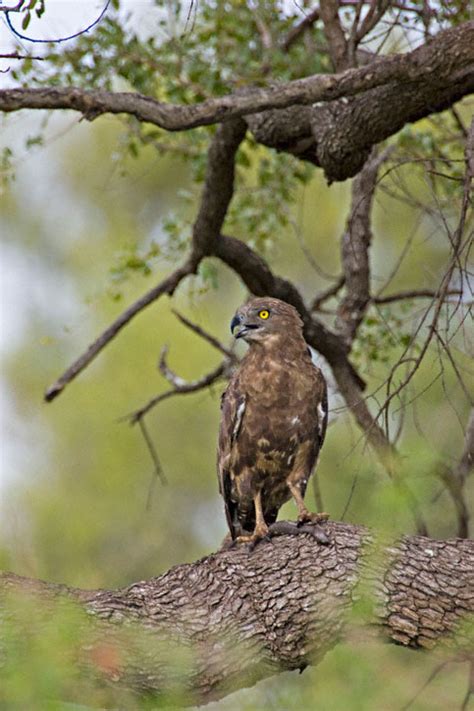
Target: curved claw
309,517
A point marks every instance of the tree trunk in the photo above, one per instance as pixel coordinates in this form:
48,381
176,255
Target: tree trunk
235,617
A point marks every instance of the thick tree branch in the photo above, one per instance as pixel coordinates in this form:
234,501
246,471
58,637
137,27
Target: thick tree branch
218,186
339,135
235,617
451,51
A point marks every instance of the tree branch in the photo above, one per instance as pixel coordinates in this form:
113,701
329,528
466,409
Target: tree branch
217,193
235,617
451,50
206,336
334,33
355,246
296,31
179,386
454,479
413,294
167,286
338,136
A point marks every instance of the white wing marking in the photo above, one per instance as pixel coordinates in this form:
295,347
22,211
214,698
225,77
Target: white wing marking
238,418
322,416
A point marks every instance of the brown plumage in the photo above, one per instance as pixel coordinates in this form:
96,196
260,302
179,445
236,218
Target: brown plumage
273,422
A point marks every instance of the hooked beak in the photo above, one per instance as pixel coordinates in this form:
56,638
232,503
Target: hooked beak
243,328
236,321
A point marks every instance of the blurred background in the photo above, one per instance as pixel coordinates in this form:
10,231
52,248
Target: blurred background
85,230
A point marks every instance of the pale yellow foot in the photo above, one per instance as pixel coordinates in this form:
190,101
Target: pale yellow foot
260,532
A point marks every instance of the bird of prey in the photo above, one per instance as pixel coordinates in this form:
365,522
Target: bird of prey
273,421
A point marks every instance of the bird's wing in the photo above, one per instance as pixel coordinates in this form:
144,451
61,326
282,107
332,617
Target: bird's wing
233,405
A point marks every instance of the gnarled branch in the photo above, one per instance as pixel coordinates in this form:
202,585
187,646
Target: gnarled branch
450,51
236,617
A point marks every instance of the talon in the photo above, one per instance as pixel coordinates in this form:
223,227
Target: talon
261,533
308,517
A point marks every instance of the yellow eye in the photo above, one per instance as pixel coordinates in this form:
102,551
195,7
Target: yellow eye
264,314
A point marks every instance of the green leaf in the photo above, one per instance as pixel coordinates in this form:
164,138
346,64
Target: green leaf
26,20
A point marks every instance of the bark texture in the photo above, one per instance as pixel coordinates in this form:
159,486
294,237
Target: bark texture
236,616
365,104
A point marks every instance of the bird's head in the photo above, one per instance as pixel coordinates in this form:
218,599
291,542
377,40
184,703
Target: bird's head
265,320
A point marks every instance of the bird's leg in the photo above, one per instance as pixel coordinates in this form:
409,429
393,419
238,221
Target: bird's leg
261,529
305,516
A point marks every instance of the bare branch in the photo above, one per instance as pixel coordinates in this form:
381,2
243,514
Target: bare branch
334,32
454,479
377,10
295,33
158,472
447,350
355,249
218,186
338,135
454,486
167,286
54,39
217,193
13,8
457,247
466,463
323,296
207,336
451,48
413,294
180,386
16,55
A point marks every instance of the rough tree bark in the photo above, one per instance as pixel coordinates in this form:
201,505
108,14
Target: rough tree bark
366,104
235,617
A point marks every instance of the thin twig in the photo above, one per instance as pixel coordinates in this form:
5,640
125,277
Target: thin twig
181,388
432,676
447,350
207,336
457,246
15,55
470,687
414,294
55,39
158,472
167,286
323,296
14,8
299,29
